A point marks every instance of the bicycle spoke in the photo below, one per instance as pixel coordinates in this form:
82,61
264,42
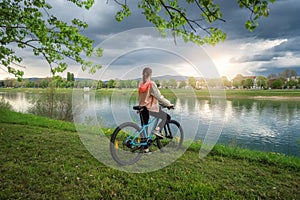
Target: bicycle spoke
125,144
173,137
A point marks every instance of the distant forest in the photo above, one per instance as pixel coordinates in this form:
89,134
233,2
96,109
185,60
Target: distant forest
287,79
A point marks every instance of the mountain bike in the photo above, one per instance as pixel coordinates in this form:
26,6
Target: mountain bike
129,141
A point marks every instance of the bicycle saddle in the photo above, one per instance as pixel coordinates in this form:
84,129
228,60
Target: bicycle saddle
139,108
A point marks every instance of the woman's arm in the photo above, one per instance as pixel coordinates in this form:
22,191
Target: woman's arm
160,98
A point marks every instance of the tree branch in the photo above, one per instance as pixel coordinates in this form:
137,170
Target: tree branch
183,15
13,27
199,6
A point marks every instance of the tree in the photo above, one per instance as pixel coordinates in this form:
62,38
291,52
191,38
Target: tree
277,84
118,83
68,76
170,14
164,83
30,24
111,83
182,84
262,82
44,83
238,81
134,83
293,73
292,83
272,76
100,84
225,81
172,83
249,82
213,82
157,83
285,74
8,82
127,83
202,83
192,82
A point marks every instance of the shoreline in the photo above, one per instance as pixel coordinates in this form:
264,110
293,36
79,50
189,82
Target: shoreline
273,98
287,95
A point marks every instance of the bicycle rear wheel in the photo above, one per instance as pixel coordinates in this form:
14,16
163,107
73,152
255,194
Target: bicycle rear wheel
121,148
173,137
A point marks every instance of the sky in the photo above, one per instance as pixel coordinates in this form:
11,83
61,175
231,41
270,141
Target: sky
132,44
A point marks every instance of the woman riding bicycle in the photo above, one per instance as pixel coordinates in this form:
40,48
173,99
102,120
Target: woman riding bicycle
150,97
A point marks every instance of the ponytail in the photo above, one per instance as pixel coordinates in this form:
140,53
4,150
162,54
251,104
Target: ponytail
146,73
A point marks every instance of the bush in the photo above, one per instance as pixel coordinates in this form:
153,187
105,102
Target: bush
5,104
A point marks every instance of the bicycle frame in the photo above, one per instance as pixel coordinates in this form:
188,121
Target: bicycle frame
145,130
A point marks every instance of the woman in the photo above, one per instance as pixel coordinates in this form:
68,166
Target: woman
150,96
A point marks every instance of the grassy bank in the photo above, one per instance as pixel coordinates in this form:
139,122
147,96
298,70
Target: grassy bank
45,159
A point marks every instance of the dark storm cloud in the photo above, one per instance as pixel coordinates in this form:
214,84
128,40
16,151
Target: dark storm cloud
263,57
282,22
102,23
291,45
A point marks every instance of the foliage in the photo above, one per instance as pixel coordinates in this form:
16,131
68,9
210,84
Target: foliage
100,84
276,84
249,83
157,83
215,82
262,82
292,83
172,83
53,104
182,84
30,24
192,82
70,76
175,15
5,105
225,81
287,74
237,81
111,83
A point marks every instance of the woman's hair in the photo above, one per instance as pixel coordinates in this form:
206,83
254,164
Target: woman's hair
146,73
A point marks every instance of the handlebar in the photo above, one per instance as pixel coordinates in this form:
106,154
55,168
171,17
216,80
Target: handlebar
168,107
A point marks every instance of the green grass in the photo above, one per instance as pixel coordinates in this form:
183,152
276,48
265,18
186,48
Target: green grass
10,117
45,159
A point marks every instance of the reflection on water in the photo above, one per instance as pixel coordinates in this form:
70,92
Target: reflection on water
257,124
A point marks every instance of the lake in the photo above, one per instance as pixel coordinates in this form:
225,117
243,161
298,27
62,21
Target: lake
266,125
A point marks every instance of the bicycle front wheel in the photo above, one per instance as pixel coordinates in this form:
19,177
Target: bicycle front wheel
173,137
121,144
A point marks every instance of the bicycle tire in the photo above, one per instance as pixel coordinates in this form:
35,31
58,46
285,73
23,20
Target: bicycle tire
171,144
128,157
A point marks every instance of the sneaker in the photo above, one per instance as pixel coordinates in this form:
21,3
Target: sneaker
147,151
158,134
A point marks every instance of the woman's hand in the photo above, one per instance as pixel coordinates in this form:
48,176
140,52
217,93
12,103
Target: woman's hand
171,106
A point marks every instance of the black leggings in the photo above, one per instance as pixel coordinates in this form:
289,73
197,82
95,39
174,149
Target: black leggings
165,117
